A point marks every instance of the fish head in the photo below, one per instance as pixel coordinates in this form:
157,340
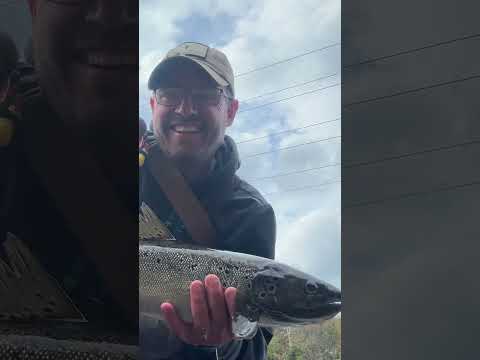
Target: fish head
284,296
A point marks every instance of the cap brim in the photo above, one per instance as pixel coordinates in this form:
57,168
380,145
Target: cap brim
156,75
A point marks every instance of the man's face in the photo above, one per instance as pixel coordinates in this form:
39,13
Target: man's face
86,56
189,133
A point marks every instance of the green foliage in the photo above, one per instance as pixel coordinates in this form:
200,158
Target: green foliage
314,342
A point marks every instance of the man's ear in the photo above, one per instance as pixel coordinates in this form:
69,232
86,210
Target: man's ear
152,102
32,4
232,111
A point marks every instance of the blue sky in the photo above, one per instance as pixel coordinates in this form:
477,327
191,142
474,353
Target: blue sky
254,34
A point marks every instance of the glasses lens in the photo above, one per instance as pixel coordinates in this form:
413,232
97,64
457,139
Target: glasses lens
66,2
169,96
200,97
206,96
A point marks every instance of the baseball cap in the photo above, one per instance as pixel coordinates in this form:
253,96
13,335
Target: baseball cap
213,61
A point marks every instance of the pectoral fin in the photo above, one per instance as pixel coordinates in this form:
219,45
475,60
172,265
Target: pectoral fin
243,328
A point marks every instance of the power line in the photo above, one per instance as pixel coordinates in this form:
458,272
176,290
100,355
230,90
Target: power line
288,98
287,131
304,188
404,92
411,50
287,59
293,172
293,146
406,155
413,194
288,88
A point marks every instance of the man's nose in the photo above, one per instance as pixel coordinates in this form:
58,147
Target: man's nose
113,12
186,106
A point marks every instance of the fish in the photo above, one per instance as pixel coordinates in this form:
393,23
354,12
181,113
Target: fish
55,339
269,293
39,321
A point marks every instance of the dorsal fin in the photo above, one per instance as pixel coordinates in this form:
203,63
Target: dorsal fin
150,227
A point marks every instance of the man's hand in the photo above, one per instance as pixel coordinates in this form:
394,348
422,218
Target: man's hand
212,310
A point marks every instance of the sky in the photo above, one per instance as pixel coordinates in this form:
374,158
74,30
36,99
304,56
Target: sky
254,34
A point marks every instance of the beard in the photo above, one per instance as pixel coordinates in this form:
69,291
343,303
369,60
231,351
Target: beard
194,153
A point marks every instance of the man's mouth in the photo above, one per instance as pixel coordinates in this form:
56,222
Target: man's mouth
186,128
109,60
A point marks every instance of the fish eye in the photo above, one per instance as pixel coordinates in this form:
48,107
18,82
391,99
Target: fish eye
311,288
262,295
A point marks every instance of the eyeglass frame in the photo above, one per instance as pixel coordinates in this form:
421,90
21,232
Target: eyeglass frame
222,92
66,2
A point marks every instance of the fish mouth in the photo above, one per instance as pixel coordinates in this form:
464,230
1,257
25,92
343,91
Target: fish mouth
331,309
323,312
304,316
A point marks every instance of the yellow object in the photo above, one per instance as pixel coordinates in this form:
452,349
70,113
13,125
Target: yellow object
141,159
6,131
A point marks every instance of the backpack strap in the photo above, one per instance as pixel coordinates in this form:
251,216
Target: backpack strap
178,192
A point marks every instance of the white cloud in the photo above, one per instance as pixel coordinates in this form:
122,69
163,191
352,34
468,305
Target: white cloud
312,243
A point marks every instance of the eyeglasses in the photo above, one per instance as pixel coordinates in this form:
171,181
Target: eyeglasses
66,2
200,97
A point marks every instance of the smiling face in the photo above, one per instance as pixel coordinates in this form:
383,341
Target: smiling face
86,56
188,133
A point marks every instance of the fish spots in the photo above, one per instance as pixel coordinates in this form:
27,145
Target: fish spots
311,288
48,310
271,289
262,295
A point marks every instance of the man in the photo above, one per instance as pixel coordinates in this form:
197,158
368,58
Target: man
193,102
86,62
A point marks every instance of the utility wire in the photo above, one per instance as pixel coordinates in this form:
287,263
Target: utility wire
293,146
406,155
304,188
412,194
287,131
404,92
288,88
293,172
288,98
411,50
287,59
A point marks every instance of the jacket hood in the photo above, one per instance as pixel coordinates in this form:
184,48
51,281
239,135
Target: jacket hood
227,163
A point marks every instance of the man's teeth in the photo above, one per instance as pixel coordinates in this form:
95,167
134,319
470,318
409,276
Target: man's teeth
111,60
186,128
